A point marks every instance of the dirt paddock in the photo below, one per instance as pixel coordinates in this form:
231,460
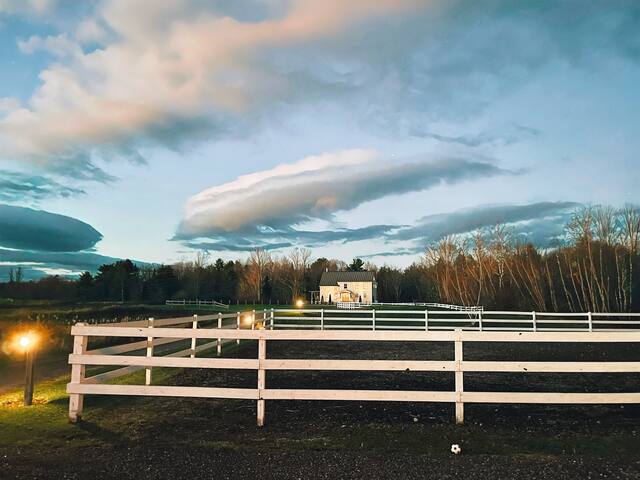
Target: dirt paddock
204,438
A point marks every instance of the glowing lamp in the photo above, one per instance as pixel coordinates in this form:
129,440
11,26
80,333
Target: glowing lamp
299,303
27,342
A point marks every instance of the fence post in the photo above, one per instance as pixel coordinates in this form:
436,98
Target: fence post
373,319
147,373
459,378
480,319
426,320
194,339
262,379
238,325
322,319
590,322
76,400
271,321
533,318
219,342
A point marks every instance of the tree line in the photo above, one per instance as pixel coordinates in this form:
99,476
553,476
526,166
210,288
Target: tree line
593,267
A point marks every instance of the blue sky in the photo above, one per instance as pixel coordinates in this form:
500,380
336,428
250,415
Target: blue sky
153,130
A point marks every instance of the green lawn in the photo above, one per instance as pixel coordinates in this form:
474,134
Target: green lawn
45,424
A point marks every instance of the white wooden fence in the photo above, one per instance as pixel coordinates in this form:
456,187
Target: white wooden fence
474,320
443,306
197,303
220,329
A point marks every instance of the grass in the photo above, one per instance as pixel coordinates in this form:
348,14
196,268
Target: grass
45,424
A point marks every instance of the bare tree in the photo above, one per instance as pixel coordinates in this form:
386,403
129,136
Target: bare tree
580,227
630,234
604,222
254,274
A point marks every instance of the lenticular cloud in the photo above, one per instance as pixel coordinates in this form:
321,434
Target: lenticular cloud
315,188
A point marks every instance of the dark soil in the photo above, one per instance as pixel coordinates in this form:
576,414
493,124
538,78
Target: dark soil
203,438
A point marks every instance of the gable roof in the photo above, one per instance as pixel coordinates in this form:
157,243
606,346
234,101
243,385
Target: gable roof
330,279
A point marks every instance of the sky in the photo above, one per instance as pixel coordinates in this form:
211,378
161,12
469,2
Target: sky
155,130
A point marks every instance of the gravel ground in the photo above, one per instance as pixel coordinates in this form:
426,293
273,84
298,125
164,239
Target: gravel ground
203,438
203,463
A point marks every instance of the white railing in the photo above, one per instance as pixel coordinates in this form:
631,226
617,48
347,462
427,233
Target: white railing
260,327
351,305
164,346
471,320
197,303
444,306
447,306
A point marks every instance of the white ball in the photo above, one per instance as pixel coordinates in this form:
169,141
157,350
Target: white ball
455,449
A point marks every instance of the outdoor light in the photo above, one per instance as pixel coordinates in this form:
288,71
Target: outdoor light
24,342
299,303
27,343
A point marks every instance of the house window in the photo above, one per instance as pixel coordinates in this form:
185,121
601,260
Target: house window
345,286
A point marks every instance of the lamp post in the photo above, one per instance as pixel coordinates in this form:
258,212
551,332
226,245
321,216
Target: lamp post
27,342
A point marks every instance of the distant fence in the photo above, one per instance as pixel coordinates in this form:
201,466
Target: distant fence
262,326
479,320
444,306
197,303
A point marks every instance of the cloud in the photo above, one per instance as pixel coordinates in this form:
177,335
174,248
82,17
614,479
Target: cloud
58,45
396,65
275,239
43,243
202,66
27,229
37,264
9,103
508,135
91,31
26,6
541,223
20,187
315,188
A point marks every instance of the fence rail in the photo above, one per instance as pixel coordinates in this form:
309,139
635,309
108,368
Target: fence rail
216,331
473,320
197,303
445,306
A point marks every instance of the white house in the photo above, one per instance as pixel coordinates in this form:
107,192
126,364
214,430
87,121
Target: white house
348,287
